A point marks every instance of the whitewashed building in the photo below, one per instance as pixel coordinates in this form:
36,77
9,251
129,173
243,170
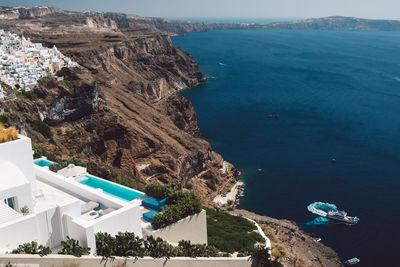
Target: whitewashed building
23,63
37,204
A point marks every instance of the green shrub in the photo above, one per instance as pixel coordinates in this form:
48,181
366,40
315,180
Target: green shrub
38,151
29,95
63,72
4,119
128,245
58,166
72,247
156,190
211,185
42,128
260,257
32,248
196,250
126,181
105,245
180,205
222,226
158,248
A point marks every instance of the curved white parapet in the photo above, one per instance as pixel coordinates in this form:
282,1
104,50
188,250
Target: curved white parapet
267,240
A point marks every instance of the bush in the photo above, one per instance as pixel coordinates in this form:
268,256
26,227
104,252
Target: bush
38,151
42,128
72,247
211,185
58,166
196,250
222,226
32,248
260,257
128,245
126,181
158,248
29,95
180,205
4,119
63,72
156,190
25,210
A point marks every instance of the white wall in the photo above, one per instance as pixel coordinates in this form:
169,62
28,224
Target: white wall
80,230
124,219
51,227
45,227
193,228
16,232
71,207
22,193
19,152
90,261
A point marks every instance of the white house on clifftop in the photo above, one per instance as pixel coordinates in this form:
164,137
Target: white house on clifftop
37,204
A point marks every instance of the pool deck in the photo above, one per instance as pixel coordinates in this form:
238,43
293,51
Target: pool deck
49,196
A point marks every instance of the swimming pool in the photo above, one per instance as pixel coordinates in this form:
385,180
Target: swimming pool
43,163
108,188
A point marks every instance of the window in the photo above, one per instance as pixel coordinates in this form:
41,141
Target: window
10,202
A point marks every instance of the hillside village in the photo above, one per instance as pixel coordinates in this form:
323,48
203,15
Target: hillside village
23,63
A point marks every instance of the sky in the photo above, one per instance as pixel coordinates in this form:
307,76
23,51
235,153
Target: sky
386,9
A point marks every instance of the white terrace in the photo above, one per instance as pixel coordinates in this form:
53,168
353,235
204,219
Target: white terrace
37,204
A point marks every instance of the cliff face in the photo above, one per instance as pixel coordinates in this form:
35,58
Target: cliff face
120,111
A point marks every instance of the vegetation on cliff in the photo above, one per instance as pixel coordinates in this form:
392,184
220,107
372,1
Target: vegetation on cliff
241,233
180,204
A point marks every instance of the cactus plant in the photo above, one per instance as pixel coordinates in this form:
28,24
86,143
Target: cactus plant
8,134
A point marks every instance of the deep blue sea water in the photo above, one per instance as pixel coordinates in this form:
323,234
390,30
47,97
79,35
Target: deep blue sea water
337,95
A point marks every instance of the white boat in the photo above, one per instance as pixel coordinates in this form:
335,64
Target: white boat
341,216
352,261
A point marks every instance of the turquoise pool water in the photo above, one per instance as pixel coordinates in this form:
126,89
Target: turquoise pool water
109,188
43,163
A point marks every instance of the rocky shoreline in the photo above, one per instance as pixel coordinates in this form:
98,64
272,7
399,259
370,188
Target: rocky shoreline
293,246
232,197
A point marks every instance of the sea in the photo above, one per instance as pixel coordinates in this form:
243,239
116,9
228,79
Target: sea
319,113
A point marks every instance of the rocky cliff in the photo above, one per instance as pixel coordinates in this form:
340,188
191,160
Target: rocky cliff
119,112
291,245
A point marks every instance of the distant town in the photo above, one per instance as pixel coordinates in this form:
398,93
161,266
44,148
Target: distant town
23,63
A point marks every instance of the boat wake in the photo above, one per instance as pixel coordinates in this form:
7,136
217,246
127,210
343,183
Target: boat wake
318,221
321,208
221,64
